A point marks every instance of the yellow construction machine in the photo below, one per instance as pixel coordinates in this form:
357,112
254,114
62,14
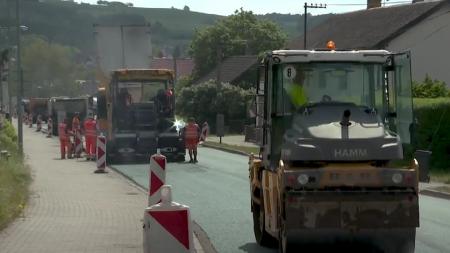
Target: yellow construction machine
333,126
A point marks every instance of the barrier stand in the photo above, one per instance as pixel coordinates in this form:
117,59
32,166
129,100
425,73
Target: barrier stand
101,154
49,127
157,178
167,226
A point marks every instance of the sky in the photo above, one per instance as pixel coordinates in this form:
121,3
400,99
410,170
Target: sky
227,7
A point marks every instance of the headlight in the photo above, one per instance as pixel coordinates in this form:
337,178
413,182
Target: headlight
397,178
303,179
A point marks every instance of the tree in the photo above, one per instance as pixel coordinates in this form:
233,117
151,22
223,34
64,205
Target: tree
50,68
240,33
186,8
430,88
203,101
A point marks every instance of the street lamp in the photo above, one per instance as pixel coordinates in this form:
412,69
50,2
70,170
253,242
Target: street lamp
19,79
306,6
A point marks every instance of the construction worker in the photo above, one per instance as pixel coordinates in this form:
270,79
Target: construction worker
30,120
191,139
90,135
205,131
64,140
76,131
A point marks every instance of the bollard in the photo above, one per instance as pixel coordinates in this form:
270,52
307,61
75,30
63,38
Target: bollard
157,178
423,158
167,226
49,127
101,154
78,143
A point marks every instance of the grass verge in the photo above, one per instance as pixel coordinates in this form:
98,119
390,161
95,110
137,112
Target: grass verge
440,176
224,146
14,178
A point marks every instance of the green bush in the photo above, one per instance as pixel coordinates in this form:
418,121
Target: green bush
8,137
432,132
430,88
14,177
203,101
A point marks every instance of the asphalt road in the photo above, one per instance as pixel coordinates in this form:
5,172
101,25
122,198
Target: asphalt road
217,190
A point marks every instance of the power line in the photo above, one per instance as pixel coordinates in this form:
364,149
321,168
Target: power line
355,4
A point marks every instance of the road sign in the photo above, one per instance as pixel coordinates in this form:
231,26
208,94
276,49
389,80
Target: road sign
101,154
167,226
157,178
220,125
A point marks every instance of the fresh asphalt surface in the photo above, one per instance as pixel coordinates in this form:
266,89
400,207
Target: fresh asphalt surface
217,191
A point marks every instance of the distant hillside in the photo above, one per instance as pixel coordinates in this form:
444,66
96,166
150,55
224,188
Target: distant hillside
71,23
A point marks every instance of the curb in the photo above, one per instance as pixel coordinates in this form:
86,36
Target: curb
435,194
237,152
202,237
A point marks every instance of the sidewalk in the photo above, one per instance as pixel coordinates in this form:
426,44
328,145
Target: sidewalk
236,140
71,209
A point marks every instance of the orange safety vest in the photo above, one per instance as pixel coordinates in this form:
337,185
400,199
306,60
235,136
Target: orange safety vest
191,132
62,131
90,128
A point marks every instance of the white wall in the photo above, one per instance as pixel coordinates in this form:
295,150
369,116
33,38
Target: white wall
429,43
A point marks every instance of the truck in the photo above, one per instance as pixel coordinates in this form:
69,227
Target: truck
60,108
334,127
38,106
136,105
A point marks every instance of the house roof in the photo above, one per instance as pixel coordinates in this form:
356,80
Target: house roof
231,68
184,66
367,29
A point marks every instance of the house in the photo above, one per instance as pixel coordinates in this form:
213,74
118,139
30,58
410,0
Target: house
422,27
184,66
233,69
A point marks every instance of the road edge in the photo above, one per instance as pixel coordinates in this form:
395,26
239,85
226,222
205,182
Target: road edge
202,236
426,192
233,151
435,194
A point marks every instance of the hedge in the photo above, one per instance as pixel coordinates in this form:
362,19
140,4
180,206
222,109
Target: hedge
433,130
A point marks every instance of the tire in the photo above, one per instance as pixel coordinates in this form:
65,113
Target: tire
284,244
404,242
262,237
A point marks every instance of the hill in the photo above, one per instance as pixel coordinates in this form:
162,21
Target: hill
70,23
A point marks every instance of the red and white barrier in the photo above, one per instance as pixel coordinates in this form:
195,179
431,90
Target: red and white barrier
167,226
78,143
101,154
157,178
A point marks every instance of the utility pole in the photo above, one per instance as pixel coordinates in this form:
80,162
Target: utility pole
19,80
306,6
219,64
